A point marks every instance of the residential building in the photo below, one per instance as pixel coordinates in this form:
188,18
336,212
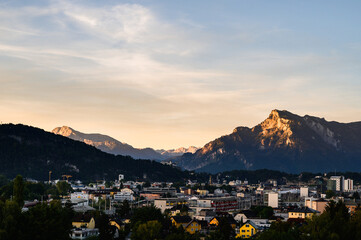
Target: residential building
216,220
303,191
248,229
83,233
122,196
83,221
318,204
303,213
193,226
167,203
348,185
336,183
271,199
218,204
180,220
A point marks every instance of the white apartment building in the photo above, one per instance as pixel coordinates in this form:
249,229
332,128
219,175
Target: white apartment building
303,191
271,199
348,185
339,181
121,196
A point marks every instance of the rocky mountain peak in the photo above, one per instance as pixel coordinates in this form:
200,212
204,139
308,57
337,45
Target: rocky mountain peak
283,141
64,131
276,129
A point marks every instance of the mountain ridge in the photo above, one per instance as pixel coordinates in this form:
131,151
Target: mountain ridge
33,152
283,141
116,147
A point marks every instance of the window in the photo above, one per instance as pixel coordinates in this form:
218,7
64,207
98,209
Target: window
243,230
247,230
247,225
192,229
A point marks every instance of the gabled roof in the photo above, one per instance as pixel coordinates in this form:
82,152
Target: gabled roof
182,219
249,213
230,219
82,217
252,224
304,210
192,221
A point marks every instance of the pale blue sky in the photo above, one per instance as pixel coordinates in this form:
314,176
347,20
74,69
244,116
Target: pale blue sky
167,74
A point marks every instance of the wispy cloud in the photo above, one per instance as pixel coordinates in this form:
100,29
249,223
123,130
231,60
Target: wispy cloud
133,72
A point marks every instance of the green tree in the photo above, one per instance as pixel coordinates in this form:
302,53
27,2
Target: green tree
63,187
332,224
18,190
145,214
124,209
330,194
11,221
48,221
105,230
280,231
147,231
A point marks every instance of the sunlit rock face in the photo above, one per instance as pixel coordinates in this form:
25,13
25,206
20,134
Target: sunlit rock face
108,144
284,141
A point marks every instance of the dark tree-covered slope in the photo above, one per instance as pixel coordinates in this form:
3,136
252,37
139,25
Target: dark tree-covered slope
33,152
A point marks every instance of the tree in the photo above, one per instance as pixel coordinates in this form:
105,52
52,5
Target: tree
356,195
48,221
266,212
330,194
147,231
280,231
18,190
63,187
106,232
145,214
224,229
124,209
10,220
332,224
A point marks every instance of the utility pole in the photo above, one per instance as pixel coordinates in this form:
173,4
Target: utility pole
50,177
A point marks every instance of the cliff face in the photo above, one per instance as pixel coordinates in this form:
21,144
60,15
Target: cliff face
284,141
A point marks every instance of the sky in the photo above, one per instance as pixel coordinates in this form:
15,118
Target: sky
169,74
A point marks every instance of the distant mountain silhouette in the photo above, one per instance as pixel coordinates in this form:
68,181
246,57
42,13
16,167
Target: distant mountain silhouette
285,142
113,146
34,152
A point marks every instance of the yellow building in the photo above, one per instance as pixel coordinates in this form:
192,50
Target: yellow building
83,221
189,225
193,227
215,221
248,230
118,224
302,213
180,221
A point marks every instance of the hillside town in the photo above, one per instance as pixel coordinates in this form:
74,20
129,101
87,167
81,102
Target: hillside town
199,208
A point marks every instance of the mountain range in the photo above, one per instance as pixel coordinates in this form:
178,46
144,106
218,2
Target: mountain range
285,142
33,152
113,146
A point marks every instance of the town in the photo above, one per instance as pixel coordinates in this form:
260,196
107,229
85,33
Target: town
199,210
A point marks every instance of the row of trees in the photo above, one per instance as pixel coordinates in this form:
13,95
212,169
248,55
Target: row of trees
336,223
30,190
44,221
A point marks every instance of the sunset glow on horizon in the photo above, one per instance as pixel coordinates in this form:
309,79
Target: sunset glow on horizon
170,74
